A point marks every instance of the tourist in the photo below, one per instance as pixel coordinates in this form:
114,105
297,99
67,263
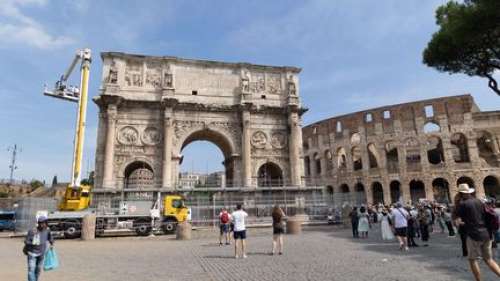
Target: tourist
439,211
424,220
448,221
224,225
400,219
412,227
278,229
364,222
471,213
35,247
239,216
354,222
386,226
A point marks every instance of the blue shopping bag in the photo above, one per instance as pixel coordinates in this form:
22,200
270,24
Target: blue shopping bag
50,261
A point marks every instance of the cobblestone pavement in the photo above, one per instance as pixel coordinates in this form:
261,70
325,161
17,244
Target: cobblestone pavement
320,253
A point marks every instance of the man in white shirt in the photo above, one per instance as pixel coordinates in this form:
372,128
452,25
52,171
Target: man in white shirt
400,218
238,217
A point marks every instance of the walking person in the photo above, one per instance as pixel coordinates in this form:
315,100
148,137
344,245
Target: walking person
439,212
35,247
224,226
412,228
354,222
400,218
363,223
278,229
240,234
447,220
424,220
386,226
471,213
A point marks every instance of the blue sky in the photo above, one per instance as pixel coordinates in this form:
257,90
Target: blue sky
354,54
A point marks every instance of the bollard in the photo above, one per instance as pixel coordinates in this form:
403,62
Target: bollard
88,227
183,231
294,225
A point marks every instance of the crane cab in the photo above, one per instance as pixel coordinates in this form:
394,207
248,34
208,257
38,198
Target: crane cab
75,199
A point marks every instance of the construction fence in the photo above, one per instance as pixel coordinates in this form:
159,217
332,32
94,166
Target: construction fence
205,207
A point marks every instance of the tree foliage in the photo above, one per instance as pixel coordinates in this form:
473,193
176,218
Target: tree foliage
468,40
35,184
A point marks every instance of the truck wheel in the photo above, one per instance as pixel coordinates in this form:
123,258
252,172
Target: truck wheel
142,228
169,226
71,231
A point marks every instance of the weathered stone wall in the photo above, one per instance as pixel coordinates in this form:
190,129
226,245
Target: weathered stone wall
152,107
424,147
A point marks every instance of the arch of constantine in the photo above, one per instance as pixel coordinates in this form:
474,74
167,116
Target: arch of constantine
150,108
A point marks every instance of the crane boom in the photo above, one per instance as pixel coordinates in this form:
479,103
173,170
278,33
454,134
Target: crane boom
79,95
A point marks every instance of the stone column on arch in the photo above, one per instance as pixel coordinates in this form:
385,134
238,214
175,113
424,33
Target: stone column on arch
168,135
111,114
246,150
294,148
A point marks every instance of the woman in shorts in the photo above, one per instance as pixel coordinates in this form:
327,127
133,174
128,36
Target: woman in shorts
278,229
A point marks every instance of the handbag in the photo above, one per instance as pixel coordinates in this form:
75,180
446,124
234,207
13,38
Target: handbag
50,261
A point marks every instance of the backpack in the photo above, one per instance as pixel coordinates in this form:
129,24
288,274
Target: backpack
224,218
490,219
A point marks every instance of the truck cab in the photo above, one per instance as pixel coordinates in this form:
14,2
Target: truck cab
174,211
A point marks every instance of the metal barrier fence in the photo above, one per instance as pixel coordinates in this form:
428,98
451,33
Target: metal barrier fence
26,208
206,206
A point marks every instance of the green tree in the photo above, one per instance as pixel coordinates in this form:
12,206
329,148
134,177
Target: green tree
89,180
468,40
35,184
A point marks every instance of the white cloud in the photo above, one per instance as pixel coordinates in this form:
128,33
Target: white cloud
19,28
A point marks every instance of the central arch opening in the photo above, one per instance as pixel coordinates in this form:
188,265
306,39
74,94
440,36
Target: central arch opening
206,161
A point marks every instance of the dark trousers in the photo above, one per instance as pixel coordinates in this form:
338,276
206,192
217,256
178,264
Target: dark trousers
424,231
451,231
463,238
355,233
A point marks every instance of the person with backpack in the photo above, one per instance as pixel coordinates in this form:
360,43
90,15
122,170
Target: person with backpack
35,247
424,218
400,219
224,221
478,223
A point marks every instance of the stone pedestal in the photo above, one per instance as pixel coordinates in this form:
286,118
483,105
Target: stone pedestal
294,225
88,227
183,231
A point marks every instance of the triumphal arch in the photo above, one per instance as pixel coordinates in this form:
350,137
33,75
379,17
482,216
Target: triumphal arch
152,107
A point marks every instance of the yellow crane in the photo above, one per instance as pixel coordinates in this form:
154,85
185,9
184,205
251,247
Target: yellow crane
77,197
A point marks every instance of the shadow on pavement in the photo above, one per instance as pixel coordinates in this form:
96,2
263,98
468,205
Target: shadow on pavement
443,253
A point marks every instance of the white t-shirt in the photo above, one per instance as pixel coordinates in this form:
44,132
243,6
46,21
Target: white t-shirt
239,220
400,216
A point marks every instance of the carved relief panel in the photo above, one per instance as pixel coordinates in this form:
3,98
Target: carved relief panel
133,74
153,75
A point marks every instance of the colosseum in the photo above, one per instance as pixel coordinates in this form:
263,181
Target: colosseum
406,152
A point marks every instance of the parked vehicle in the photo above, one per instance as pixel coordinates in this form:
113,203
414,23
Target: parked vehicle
7,220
